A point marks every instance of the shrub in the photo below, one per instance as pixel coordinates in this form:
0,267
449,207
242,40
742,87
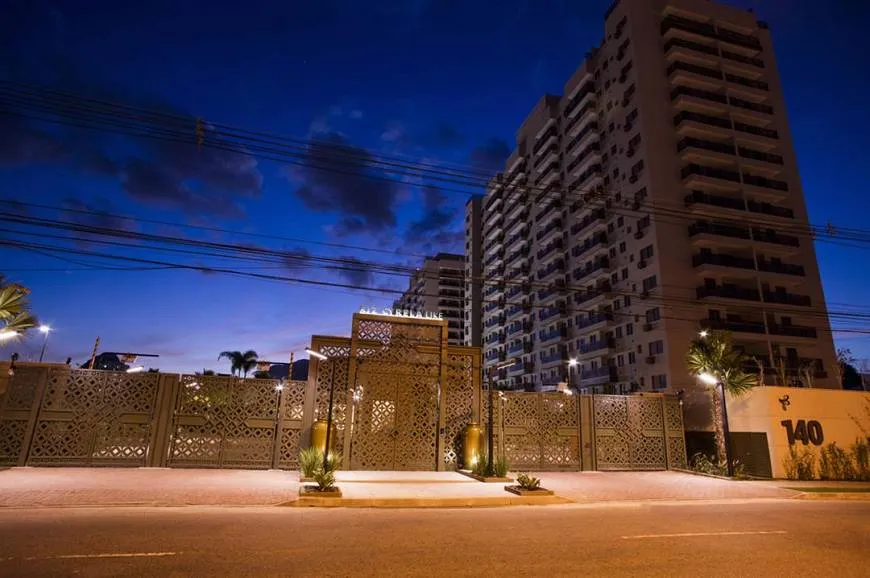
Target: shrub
700,462
500,467
309,460
800,465
325,479
528,482
333,461
861,453
835,463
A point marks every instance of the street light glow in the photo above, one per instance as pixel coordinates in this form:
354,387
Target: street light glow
315,354
573,362
703,333
44,328
6,334
136,369
708,378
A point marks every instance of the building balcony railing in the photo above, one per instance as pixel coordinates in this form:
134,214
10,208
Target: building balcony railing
722,260
694,69
556,310
784,298
513,328
750,82
764,182
780,267
522,270
756,130
710,31
514,291
589,244
757,62
555,289
597,376
687,115
793,331
592,127
555,267
728,292
705,227
593,319
702,171
494,321
518,220
587,174
597,216
600,265
553,334
570,108
553,131
771,236
559,356
596,347
698,93
584,155
550,249
696,46
734,326
700,197
749,105
552,206
581,297
696,143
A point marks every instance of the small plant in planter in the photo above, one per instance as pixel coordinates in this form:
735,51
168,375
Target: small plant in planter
527,482
528,486
499,468
309,460
324,484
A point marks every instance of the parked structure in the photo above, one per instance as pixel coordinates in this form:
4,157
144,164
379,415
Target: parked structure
436,287
660,194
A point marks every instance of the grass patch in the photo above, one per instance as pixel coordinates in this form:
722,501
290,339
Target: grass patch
830,490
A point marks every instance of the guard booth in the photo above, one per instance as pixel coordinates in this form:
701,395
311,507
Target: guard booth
402,395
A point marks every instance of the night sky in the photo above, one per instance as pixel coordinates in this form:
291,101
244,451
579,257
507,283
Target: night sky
440,81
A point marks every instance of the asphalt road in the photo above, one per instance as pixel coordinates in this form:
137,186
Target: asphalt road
769,538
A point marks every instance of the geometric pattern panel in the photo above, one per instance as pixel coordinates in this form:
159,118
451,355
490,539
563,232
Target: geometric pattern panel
224,422
629,432
333,372
458,399
12,432
94,418
541,430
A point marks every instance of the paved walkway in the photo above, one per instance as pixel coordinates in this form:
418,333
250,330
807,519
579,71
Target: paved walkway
35,487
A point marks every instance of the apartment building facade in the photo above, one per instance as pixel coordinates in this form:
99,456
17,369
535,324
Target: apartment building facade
473,293
437,287
657,196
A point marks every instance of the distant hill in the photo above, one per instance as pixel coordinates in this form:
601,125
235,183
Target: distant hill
300,370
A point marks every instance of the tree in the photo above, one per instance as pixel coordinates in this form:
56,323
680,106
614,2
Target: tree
240,363
713,354
844,369
15,313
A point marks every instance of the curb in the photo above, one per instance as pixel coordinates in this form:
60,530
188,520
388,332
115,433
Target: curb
821,496
314,502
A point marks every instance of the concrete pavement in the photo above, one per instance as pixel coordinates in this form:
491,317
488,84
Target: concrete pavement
754,538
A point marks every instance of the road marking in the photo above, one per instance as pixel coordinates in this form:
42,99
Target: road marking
107,555
701,534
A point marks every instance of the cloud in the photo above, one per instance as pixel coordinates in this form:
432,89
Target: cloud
97,213
297,259
439,228
394,133
491,155
356,272
337,177
356,114
445,135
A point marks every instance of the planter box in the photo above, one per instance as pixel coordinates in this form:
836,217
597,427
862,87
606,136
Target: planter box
313,492
521,492
484,478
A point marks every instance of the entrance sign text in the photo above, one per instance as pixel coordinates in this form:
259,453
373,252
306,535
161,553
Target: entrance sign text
386,311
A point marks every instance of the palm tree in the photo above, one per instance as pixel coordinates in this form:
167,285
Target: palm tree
15,313
240,363
713,356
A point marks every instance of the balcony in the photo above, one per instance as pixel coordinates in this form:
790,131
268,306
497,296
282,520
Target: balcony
771,236
784,298
552,206
557,356
552,229
513,328
710,172
734,326
494,198
553,334
780,267
718,229
590,129
515,202
597,216
517,221
696,143
517,272
600,266
679,66
764,182
494,321
760,156
515,348
583,180
596,241
728,292
696,46
553,311
756,62
793,331
706,119
571,108
582,297
594,320
552,132
552,248
557,266
597,376
586,155
698,93
756,130
743,81
514,291
700,197
709,31
596,348
749,105
723,260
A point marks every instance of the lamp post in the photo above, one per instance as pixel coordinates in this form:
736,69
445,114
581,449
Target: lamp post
572,363
45,330
321,357
489,437
711,379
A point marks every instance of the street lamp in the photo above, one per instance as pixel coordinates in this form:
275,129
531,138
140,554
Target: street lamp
45,330
572,363
489,437
711,379
6,334
321,357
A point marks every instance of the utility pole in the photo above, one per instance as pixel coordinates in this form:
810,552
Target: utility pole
94,354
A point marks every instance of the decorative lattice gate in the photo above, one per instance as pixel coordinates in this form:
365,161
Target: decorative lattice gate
638,432
538,431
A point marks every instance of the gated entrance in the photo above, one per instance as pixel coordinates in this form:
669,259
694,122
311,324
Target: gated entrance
540,431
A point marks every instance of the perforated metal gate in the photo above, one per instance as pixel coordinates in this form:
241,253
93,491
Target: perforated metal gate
538,431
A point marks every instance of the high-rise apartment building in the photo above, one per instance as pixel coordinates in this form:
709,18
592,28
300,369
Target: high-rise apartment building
437,287
473,273
658,195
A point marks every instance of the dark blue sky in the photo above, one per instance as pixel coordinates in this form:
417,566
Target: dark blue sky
445,81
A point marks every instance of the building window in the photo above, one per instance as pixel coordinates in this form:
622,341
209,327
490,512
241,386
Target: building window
630,117
626,301
646,252
620,222
618,332
629,329
653,315
624,274
659,381
622,247
656,347
620,360
631,358
614,278
616,305
650,283
613,252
